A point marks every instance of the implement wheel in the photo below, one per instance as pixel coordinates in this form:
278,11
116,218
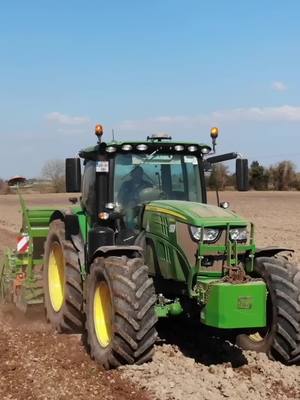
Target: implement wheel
62,282
120,315
281,338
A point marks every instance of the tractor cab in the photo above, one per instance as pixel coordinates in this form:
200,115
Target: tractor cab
140,178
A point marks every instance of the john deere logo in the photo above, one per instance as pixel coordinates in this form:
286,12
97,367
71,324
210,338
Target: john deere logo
245,302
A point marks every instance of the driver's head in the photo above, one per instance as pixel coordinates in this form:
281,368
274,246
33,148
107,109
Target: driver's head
137,174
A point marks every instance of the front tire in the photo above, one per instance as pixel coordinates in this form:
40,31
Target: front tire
281,338
62,282
120,317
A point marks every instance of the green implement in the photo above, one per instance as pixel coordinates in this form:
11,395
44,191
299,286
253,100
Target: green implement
21,269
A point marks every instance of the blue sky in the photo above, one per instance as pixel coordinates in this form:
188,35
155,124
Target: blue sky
141,67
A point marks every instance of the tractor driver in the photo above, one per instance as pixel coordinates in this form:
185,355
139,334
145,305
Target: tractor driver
130,190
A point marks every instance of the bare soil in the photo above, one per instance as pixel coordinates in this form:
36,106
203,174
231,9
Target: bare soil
36,363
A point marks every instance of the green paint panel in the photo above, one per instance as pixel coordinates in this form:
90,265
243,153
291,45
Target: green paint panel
83,221
171,261
232,306
198,214
39,232
165,310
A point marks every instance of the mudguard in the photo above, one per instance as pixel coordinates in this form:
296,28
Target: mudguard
72,231
271,251
106,251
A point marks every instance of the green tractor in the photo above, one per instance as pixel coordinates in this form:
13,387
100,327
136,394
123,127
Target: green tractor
142,243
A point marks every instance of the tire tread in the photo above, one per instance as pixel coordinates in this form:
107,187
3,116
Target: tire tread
71,318
134,317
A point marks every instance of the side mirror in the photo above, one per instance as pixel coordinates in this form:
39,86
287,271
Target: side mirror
221,158
73,175
242,174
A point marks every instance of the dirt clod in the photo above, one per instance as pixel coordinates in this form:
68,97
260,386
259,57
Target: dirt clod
174,378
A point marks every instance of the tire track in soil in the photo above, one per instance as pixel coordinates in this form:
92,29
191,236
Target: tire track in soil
36,363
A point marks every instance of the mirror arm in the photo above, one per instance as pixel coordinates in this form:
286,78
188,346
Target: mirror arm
222,157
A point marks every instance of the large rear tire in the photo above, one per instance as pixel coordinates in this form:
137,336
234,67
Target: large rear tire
120,316
281,338
62,282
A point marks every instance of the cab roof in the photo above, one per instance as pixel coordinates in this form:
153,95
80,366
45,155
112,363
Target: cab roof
145,147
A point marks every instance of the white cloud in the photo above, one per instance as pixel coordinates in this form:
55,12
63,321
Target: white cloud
279,86
280,113
251,114
66,120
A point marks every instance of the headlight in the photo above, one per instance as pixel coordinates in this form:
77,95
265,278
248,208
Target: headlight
209,234
238,234
104,216
196,232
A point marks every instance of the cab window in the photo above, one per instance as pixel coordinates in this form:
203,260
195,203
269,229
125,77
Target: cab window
141,178
88,187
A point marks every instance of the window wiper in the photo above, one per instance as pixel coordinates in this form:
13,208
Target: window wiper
150,156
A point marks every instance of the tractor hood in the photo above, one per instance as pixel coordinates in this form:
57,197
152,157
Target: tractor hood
198,214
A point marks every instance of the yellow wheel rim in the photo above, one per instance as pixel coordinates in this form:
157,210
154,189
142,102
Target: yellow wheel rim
256,337
103,314
56,277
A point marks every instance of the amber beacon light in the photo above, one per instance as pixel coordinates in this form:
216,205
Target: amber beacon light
214,132
99,131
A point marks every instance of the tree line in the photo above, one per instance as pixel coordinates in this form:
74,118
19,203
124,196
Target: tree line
280,176
52,179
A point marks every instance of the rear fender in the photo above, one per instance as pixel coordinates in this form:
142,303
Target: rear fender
72,231
118,251
71,221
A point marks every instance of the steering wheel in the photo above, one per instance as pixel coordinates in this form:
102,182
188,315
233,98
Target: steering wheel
150,194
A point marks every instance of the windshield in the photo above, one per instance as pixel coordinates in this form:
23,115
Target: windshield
140,178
